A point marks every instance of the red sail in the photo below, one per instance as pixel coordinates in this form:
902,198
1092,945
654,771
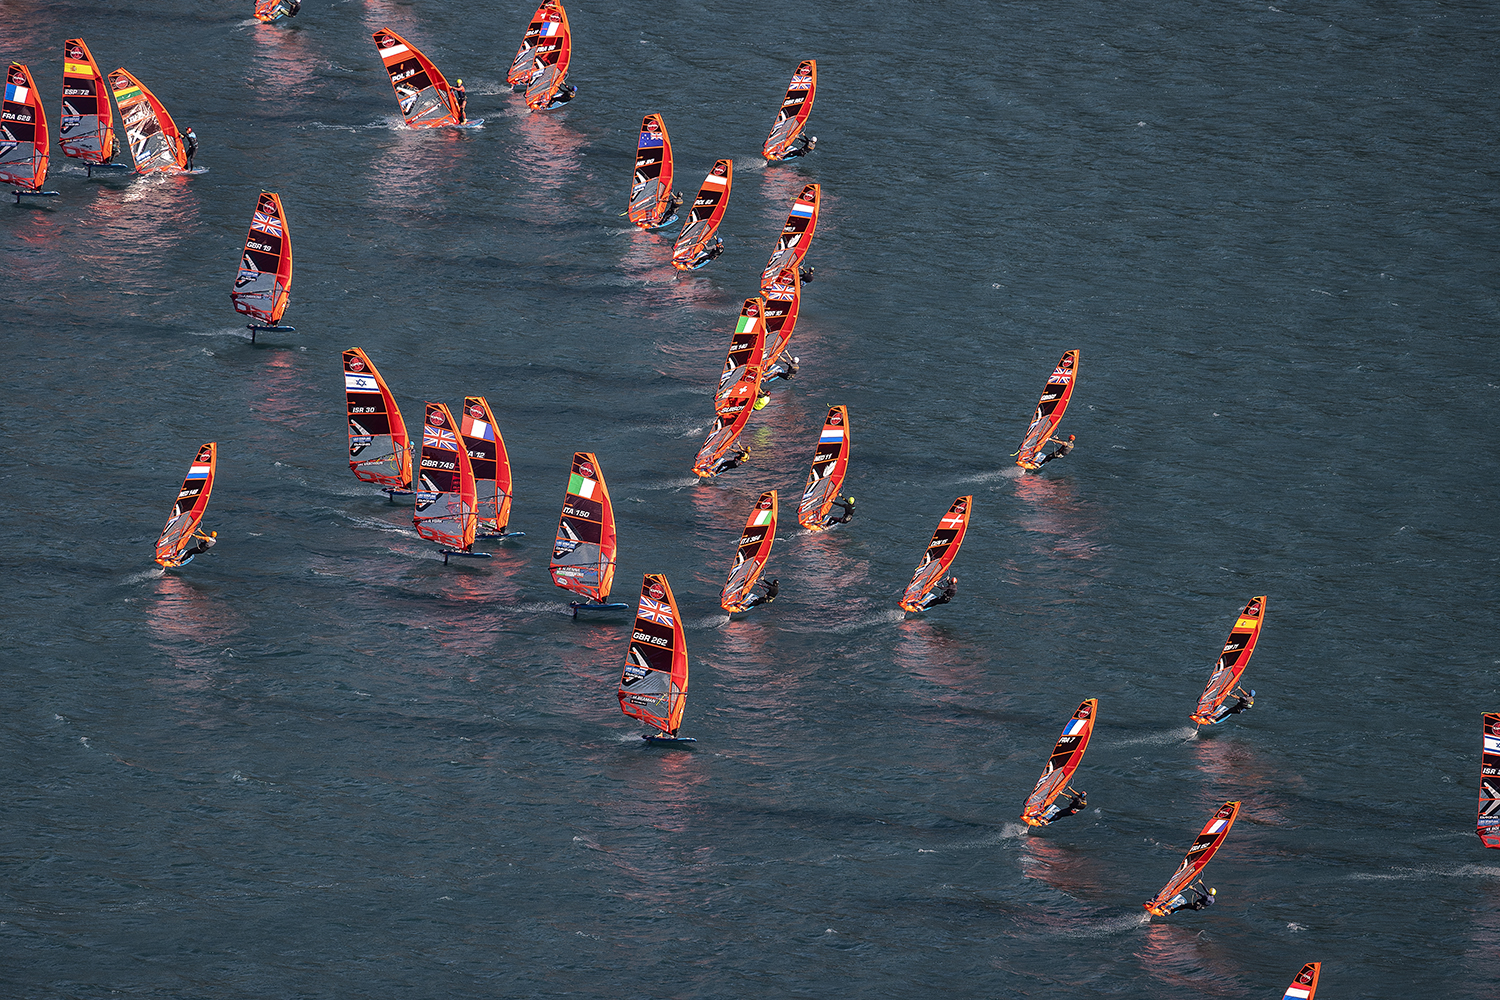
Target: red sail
583,554
1489,783
941,552
1198,856
491,462
1304,983
653,685
829,463
795,109
155,143
86,130
651,186
187,512
445,501
783,302
554,51
690,252
1066,756
23,131
422,91
739,384
523,66
1232,661
1049,412
379,450
264,282
751,555
796,235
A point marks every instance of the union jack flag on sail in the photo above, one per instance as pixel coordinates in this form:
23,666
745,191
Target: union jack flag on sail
266,223
655,611
439,437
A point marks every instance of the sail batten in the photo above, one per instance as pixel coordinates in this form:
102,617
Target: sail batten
794,112
153,137
651,186
263,285
825,479
583,553
653,685
379,449
751,554
23,131
86,129
941,552
1049,411
1232,662
422,92
796,235
187,511
491,464
691,249
444,487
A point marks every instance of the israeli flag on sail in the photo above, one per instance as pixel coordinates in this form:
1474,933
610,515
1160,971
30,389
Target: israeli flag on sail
1492,743
360,383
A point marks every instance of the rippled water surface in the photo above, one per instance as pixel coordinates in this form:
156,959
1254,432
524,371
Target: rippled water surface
318,762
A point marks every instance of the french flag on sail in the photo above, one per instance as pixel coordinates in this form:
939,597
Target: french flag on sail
1074,727
480,429
802,210
831,434
198,472
551,29
16,92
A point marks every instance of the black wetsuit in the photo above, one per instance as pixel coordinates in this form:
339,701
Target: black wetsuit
1061,451
462,97
770,595
190,146
848,514
948,593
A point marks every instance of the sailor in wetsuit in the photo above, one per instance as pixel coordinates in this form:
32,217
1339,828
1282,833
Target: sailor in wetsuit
805,273
673,204
741,454
190,145
461,98
1202,899
1055,811
1061,451
205,542
848,514
948,593
783,370
564,94
772,590
808,144
713,250
1246,701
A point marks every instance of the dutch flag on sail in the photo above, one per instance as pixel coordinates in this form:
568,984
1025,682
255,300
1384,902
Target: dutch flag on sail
1295,992
1074,727
831,435
802,210
198,472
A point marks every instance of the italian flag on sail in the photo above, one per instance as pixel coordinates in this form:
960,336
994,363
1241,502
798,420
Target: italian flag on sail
579,486
761,517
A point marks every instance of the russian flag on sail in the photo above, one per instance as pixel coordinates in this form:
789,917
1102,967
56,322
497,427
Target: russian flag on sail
198,472
802,210
831,434
1074,727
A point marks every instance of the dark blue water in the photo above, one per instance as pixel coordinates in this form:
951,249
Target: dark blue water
318,762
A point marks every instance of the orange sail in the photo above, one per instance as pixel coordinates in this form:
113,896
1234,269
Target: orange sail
830,462
1198,856
1304,983
583,554
523,66
445,501
709,461
1488,826
940,554
264,282
1049,412
795,109
554,50
651,189
379,451
1066,756
796,235
739,384
750,558
155,143
23,132
1232,662
690,252
187,512
491,462
422,91
783,301
653,685
86,130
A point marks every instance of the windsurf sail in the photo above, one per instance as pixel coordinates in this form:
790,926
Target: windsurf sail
1198,856
1049,412
422,91
155,143
550,58
1305,983
491,462
795,109
379,451
796,235
264,282
523,66
653,685
583,555
739,383
940,554
1489,783
1232,662
750,558
445,499
651,190
722,436
783,301
830,462
86,130
691,249
23,131
1066,756
187,512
